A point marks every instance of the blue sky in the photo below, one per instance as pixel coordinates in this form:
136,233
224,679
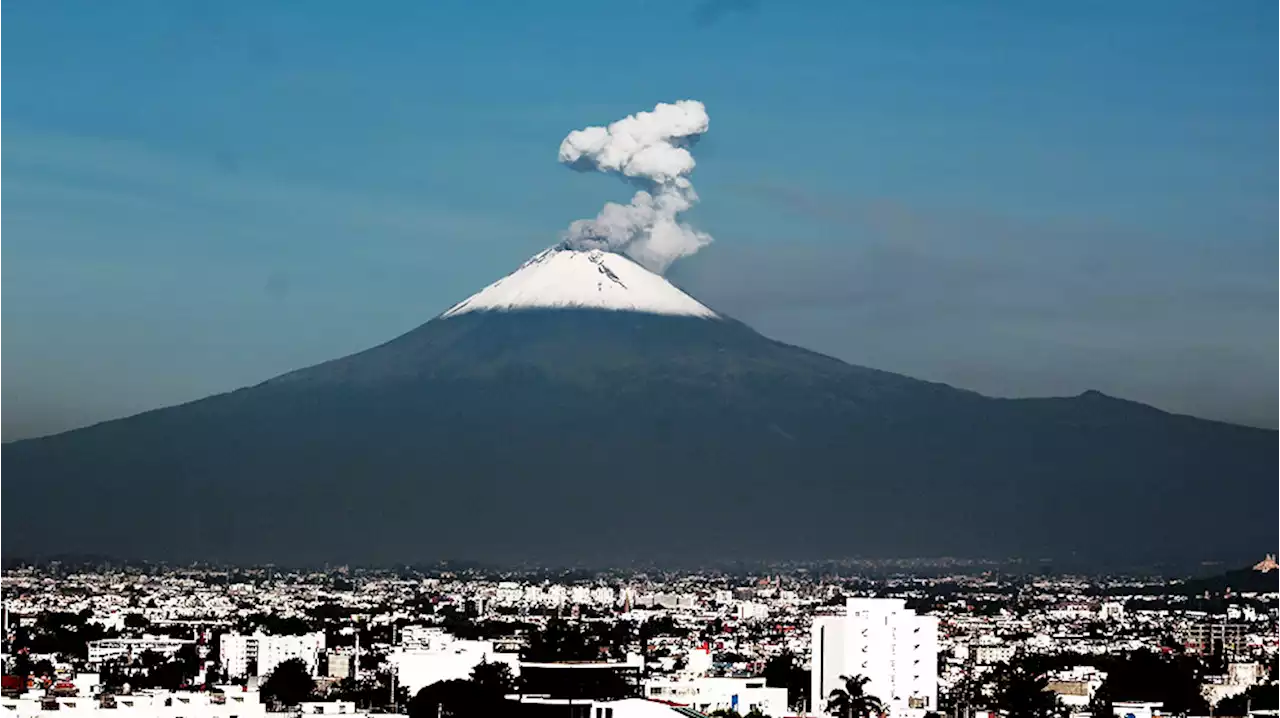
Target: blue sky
1019,198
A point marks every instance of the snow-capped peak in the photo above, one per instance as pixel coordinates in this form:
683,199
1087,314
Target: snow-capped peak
562,278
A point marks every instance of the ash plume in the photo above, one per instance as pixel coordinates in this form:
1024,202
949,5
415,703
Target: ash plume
650,149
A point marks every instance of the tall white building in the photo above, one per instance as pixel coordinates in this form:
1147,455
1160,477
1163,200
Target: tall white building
444,658
259,654
752,611
880,639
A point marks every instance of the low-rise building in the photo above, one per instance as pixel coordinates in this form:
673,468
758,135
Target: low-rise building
741,695
126,650
232,703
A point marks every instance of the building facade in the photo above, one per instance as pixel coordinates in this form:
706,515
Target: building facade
418,666
234,703
126,650
258,654
706,695
880,639
1216,639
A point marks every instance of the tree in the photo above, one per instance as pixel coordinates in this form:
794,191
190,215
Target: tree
853,701
1149,676
111,677
189,657
1102,703
290,683
784,671
150,659
493,679
368,693
444,699
1023,693
136,620
967,692
170,676
21,666
43,668
275,625
1260,697
560,641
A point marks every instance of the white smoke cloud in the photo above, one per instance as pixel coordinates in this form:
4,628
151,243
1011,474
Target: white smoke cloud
650,148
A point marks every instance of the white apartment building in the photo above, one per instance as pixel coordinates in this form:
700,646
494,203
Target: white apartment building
125,650
752,611
259,654
989,654
699,661
435,656
338,664
881,639
667,600
706,695
1111,611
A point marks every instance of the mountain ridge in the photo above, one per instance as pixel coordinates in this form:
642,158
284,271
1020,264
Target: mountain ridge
553,434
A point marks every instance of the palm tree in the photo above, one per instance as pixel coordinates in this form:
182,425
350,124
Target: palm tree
853,701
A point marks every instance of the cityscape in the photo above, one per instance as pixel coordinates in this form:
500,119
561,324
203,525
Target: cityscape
661,359
953,640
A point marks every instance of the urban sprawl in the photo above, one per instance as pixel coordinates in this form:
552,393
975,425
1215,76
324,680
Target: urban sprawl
796,641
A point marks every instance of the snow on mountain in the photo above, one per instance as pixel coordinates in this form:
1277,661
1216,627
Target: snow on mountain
560,277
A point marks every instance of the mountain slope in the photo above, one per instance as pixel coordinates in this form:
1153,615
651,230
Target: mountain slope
576,434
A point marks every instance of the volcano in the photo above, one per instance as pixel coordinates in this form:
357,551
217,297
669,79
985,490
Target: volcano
584,409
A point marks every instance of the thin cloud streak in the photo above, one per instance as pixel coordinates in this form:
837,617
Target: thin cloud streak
181,280
1006,306
709,13
66,167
